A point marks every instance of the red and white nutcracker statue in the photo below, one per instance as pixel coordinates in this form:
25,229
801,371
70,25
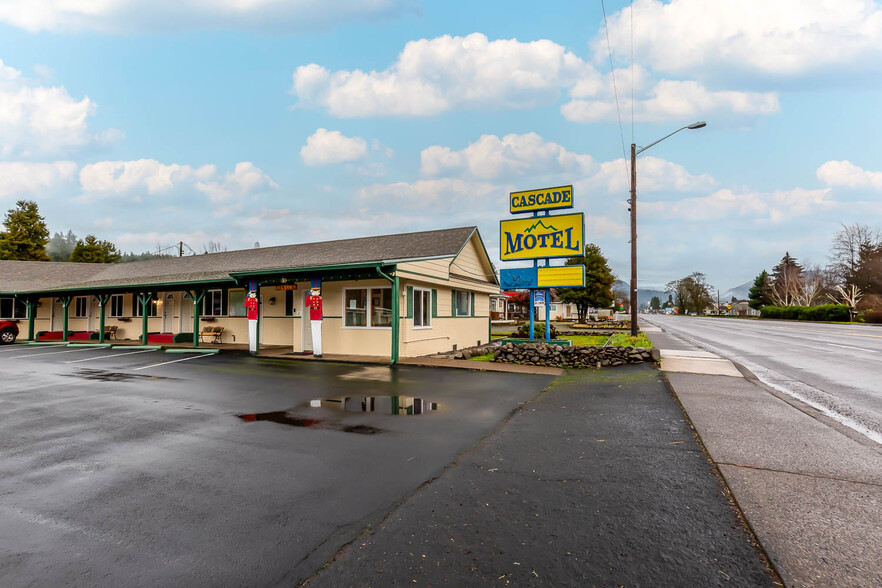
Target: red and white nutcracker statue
314,304
251,306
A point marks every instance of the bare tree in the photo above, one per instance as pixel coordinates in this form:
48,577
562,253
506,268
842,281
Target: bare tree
213,247
847,248
693,293
814,284
850,295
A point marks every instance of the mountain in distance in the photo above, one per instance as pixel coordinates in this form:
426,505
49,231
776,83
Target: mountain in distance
739,292
644,295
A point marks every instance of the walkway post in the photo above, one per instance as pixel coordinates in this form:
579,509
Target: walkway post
144,299
65,303
32,312
396,312
196,296
102,313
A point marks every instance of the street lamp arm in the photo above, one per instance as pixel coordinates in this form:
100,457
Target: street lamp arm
696,125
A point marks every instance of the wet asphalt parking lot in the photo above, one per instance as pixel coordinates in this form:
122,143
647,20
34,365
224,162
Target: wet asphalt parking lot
135,467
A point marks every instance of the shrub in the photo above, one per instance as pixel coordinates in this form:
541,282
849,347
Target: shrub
872,316
824,312
538,331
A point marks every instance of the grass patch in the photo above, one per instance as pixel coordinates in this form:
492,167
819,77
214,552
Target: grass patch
488,357
586,339
640,340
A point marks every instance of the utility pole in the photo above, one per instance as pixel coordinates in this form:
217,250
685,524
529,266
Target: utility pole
633,208
181,249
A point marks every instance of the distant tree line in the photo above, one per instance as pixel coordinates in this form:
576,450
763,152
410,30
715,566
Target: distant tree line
25,237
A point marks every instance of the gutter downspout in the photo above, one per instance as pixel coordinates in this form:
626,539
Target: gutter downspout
396,312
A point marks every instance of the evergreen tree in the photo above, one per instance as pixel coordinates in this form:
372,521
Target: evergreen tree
60,246
599,279
26,234
786,281
669,303
91,250
655,303
760,294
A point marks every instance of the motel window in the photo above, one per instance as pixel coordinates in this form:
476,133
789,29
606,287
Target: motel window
422,308
237,303
151,305
462,303
10,308
116,305
213,303
363,304
81,307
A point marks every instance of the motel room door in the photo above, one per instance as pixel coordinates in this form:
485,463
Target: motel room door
305,328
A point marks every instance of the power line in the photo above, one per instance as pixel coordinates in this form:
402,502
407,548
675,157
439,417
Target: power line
612,73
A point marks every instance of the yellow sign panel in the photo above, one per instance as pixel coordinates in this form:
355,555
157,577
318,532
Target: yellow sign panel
542,199
542,237
559,277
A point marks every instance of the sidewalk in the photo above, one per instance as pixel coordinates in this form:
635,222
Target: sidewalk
810,488
597,481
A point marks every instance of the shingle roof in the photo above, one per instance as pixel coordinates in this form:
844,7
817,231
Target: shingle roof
32,276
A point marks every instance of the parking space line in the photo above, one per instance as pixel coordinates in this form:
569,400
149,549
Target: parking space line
109,356
173,361
53,353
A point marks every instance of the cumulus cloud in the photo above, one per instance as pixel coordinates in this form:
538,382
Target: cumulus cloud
671,99
784,37
42,120
22,178
491,157
846,174
125,16
653,175
134,179
326,146
777,206
436,75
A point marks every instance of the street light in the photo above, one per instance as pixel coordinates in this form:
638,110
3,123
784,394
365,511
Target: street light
633,203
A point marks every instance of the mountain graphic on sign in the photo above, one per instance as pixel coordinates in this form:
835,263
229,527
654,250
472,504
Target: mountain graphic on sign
540,224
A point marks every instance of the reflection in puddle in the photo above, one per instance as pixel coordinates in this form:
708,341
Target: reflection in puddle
104,376
392,405
285,418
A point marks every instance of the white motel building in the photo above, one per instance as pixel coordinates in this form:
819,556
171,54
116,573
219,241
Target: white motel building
400,295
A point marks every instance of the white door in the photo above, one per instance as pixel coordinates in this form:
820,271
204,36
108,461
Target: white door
305,328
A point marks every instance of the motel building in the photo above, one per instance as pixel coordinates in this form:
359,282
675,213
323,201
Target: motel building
392,296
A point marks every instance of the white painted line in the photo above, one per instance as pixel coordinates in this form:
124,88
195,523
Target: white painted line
850,347
152,365
109,356
55,352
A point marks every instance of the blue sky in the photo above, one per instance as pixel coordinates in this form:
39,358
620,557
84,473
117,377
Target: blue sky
149,122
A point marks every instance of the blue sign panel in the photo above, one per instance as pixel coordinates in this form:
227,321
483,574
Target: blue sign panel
519,278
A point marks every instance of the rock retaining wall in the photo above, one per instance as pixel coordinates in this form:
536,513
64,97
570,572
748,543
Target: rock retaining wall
572,357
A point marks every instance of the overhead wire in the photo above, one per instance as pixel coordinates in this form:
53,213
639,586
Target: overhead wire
612,73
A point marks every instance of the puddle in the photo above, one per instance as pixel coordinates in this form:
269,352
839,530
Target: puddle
103,376
390,405
284,418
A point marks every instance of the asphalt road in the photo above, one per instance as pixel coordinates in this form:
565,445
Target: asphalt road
834,368
120,468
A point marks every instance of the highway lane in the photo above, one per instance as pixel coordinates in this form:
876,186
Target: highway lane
835,368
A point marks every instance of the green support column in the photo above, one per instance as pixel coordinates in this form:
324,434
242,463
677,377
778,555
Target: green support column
396,312
144,299
65,303
32,316
102,311
196,296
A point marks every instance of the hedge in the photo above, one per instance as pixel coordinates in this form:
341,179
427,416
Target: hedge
825,312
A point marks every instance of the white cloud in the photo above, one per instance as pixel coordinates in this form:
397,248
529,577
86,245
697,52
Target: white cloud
777,206
20,178
41,120
783,37
491,157
132,241
846,174
121,16
245,179
653,175
326,146
146,175
440,195
670,99
436,75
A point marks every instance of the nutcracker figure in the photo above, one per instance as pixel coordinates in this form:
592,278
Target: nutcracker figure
252,304
314,304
